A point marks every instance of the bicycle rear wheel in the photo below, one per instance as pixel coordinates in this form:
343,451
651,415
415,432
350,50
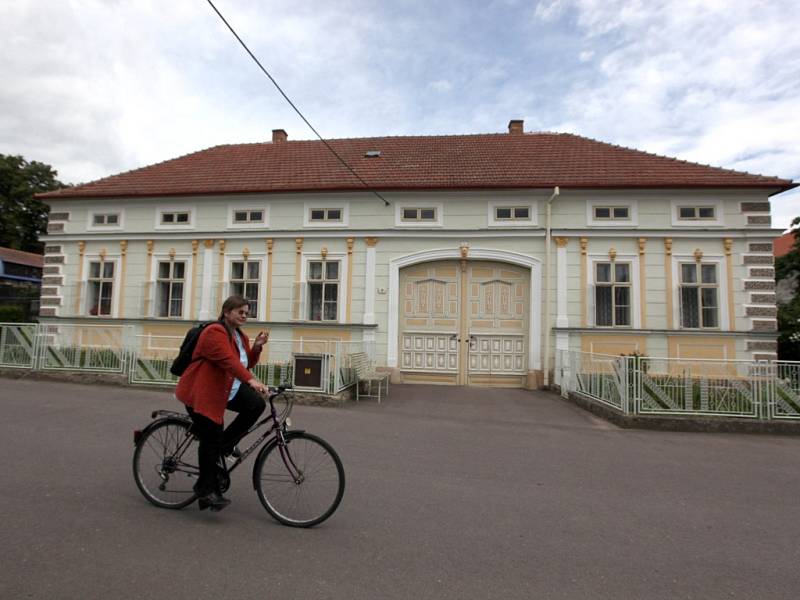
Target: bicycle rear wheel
165,463
300,483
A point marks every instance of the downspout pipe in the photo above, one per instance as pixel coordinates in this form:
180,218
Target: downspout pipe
546,286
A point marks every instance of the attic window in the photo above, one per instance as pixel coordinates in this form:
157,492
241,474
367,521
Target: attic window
372,154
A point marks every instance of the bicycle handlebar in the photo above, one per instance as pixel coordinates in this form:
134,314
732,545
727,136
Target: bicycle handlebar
280,388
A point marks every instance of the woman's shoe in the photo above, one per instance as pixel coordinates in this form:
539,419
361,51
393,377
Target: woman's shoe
232,452
215,501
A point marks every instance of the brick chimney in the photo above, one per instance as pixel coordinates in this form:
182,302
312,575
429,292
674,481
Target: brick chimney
515,126
278,135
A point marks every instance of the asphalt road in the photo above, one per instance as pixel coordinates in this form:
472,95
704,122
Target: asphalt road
451,493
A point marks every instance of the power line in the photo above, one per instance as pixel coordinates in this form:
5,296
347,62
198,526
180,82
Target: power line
275,83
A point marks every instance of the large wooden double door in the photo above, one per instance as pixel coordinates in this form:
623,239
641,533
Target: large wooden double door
464,323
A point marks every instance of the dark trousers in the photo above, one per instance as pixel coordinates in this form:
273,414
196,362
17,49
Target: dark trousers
249,404
213,441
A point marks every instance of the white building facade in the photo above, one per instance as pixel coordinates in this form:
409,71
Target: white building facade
494,252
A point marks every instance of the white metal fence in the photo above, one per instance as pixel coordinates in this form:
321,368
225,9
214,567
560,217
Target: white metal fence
97,348
644,385
785,398
18,345
146,359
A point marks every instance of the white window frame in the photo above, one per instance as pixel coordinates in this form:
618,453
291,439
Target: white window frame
186,257
422,204
531,205
722,287
120,212
232,208
116,293
612,284
175,226
699,285
342,299
324,281
633,212
186,284
636,311
717,205
326,205
259,257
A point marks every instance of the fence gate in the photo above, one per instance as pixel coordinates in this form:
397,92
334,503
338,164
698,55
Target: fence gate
786,391
672,386
699,387
18,345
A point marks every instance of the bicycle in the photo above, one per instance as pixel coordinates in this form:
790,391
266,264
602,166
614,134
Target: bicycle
298,476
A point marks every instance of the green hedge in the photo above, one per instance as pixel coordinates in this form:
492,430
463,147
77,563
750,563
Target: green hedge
12,314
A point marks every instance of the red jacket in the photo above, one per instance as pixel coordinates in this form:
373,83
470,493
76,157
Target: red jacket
207,382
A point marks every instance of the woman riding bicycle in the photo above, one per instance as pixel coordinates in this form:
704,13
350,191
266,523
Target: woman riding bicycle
213,382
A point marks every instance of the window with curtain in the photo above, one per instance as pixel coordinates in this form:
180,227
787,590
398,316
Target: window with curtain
323,290
699,295
612,294
100,288
169,288
245,280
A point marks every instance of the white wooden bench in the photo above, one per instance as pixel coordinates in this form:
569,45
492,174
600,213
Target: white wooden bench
366,374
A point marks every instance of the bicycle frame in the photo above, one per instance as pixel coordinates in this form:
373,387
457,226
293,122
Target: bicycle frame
277,428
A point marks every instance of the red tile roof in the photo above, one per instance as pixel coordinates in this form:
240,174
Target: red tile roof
18,257
484,161
781,246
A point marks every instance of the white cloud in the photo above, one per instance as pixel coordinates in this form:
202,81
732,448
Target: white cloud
442,85
550,10
95,87
100,87
711,82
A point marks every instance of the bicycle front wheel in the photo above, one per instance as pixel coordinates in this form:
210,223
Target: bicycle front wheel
300,483
165,463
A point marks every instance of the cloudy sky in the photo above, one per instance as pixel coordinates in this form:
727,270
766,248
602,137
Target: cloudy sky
96,87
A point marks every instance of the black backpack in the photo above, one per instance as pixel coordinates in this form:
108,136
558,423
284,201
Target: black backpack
184,358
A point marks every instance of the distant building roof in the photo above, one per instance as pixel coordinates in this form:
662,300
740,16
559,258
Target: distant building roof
514,160
18,257
781,246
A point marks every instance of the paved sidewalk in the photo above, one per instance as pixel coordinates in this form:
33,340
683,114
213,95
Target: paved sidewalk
451,493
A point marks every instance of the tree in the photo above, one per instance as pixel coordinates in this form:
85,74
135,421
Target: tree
24,218
787,275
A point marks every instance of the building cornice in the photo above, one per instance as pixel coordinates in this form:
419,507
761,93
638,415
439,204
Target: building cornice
392,233
191,322
688,332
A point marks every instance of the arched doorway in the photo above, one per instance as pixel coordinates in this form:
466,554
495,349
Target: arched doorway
464,322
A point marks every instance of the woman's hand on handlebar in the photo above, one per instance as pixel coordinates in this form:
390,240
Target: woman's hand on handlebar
258,386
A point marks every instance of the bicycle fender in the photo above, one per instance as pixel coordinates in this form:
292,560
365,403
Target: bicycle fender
175,417
170,413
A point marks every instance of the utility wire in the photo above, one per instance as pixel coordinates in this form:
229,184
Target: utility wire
275,83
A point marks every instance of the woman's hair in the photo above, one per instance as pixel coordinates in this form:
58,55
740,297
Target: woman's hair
231,303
